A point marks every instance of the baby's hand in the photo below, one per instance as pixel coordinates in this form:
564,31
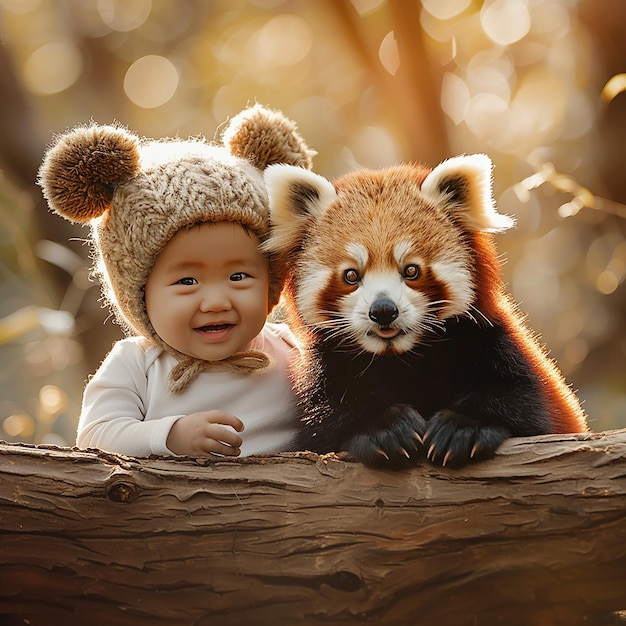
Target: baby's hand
206,433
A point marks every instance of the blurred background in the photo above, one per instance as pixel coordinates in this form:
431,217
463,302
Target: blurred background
536,84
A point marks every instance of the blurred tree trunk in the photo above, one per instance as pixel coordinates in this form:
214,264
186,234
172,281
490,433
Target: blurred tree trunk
605,24
535,536
22,146
412,97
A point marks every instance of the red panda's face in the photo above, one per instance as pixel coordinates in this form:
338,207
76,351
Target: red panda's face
382,267
379,260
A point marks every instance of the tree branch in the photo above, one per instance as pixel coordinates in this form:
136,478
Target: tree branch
536,535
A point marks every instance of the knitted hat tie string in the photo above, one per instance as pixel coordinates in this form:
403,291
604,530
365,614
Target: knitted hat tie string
187,370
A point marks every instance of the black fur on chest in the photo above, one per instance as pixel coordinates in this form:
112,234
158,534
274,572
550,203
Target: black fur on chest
469,373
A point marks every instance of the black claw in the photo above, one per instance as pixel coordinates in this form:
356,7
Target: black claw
458,440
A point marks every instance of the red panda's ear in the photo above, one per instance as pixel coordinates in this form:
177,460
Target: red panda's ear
463,184
296,195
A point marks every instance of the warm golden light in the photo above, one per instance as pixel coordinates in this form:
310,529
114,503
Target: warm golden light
614,86
19,425
505,21
123,15
53,67
151,81
388,53
284,40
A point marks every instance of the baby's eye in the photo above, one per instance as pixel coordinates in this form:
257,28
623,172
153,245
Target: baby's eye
188,281
238,276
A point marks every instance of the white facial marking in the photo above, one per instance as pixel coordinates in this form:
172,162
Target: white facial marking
377,285
359,253
400,252
457,278
312,282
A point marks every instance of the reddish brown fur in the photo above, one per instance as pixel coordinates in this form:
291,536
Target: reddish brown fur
464,382
492,300
359,211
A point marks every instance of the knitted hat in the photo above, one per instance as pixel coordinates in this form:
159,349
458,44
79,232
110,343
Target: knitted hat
138,193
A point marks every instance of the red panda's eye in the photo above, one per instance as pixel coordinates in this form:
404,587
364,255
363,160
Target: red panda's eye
352,277
411,271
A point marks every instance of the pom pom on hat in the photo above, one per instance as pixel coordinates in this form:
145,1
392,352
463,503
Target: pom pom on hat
80,172
265,137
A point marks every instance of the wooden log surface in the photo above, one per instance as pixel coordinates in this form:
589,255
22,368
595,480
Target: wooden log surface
535,536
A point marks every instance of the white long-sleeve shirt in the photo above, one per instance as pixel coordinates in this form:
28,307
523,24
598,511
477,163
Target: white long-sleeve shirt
128,408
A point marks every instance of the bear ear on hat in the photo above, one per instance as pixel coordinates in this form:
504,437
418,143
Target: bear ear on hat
265,137
81,169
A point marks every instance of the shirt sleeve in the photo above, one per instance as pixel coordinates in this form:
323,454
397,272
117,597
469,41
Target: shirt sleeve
113,411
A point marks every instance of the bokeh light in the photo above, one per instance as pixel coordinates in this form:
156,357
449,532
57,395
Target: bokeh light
151,81
505,21
122,15
284,40
445,10
52,401
455,97
53,67
388,53
20,426
367,6
20,6
375,146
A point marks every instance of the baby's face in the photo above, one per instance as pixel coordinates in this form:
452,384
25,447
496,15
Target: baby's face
206,295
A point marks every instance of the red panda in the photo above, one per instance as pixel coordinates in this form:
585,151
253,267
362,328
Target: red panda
410,345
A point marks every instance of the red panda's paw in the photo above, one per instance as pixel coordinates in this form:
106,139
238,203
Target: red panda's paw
396,446
454,440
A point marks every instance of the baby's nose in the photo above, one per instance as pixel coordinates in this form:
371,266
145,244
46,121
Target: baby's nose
214,298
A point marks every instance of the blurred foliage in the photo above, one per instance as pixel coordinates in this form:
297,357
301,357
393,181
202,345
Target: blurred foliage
536,84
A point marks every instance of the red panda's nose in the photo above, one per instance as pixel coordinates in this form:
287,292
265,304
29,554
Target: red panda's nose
383,312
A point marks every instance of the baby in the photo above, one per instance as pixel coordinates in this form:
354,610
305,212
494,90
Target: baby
175,230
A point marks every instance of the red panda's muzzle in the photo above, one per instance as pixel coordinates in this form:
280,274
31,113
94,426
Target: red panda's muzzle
386,332
384,312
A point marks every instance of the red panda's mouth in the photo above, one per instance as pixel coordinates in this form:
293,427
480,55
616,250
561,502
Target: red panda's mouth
386,332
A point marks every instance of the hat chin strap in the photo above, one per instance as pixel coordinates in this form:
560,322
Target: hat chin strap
188,369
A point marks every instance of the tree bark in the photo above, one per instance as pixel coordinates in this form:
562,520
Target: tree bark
535,536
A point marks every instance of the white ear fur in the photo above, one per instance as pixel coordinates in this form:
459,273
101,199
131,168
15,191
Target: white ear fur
464,184
295,195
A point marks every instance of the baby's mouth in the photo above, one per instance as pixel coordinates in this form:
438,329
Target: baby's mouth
214,328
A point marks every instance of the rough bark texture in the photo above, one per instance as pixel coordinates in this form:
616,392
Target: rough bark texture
535,536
